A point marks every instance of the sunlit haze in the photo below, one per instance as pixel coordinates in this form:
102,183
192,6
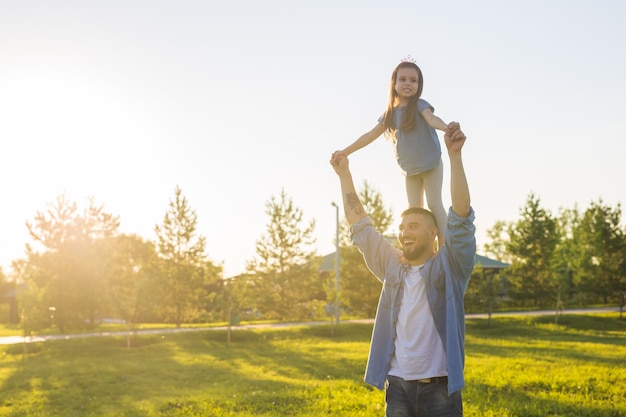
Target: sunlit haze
234,101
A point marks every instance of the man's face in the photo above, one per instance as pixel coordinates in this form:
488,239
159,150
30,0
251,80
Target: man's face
417,236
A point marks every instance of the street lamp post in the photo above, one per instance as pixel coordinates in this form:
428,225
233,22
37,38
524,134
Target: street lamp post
337,287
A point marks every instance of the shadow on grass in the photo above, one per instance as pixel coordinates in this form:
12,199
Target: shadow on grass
539,336
291,371
532,401
587,329
182,374
532,367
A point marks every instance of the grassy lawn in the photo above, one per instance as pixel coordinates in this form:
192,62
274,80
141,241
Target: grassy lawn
523,366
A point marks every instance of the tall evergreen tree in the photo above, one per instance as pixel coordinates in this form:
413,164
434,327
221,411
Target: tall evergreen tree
600,245
184,268
533,241
285,283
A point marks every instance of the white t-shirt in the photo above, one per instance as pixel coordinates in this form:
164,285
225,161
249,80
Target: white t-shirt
419,352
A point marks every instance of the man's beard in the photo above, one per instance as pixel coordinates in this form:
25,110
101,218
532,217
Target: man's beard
415,253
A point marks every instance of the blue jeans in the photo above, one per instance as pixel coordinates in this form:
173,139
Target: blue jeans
417,399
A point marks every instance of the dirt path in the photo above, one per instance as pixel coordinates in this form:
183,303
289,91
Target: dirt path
11,340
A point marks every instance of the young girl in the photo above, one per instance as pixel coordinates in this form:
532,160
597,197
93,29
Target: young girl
410,123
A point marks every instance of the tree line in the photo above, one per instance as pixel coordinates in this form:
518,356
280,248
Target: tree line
569,259
572,258
80,270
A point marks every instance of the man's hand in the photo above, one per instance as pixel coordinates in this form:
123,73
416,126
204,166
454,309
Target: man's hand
454,137
352,206
339,162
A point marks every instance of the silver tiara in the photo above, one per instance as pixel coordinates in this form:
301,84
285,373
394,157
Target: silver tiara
408,59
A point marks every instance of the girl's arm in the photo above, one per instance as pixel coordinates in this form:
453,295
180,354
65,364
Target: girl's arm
434,121
364,140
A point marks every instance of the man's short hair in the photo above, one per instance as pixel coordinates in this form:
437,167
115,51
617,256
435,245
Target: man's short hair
422,211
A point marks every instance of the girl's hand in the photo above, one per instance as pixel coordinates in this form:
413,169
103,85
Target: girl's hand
452,126
336,154
454,138
339,162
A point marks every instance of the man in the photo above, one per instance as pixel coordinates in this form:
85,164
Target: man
417,349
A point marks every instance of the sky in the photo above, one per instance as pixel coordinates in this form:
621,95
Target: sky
235,102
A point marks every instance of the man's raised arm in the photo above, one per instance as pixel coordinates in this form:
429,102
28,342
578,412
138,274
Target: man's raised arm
352,206
455,139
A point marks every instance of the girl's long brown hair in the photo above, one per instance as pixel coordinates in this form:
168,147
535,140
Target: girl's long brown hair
408,121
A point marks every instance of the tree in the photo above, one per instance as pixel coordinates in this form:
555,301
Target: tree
360,290
484,291
30,297
564,262
67,273
487,288
498,239
600,252
532,244
7,286
130,268
184,268
286,283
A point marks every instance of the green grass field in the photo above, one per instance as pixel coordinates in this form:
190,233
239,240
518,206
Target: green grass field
523,366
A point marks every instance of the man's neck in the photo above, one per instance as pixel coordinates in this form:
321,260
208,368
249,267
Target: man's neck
422,259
